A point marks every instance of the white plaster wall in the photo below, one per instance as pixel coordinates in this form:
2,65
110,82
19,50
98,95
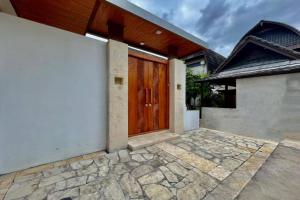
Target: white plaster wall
202,69
191,120
267,107
53,94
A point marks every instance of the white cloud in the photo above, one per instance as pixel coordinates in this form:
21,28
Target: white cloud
224,50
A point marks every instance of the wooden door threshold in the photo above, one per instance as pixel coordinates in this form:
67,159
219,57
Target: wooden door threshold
141,141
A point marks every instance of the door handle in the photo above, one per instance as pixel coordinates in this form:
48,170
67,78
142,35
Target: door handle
146,96
151,96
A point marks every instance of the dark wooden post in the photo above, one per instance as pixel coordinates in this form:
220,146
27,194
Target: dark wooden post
201,100
226,96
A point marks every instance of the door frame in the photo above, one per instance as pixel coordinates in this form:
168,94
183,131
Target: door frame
152,58
146,56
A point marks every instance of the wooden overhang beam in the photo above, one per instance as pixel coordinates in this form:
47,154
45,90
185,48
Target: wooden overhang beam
172,51
115,31
93,14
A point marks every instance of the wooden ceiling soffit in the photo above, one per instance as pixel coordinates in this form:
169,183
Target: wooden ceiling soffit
70,15
117,19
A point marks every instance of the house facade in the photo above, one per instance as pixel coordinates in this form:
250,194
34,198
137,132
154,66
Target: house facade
264,69
64,94
204,62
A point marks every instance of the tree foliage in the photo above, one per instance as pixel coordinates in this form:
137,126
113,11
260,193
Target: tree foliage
193,90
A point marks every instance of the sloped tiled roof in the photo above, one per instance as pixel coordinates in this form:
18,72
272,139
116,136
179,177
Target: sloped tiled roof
276,32
262,43
278,42
281,67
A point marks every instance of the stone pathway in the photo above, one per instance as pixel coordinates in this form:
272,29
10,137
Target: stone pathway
201,164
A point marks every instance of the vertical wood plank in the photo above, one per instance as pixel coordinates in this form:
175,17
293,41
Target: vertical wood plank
163,104
142,82
150,93
155,89
132,96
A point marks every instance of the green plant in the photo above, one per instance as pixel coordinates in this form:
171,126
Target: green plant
203,91
193,89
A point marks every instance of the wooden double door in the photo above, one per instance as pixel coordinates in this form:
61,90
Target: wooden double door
148,93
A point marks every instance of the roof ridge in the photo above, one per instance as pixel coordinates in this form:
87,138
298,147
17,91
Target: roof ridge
274,44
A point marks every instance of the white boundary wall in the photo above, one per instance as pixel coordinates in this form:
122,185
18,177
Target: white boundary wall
191,120
53,94
267,107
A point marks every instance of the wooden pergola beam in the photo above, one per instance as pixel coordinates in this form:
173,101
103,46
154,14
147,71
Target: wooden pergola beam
115,30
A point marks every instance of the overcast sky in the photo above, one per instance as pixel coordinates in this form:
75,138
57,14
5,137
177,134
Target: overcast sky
221,23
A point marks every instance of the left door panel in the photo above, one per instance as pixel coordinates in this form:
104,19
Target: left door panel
137,81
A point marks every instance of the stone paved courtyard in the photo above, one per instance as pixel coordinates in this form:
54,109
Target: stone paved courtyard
201,164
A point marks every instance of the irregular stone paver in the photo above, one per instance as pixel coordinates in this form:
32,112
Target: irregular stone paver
23,189
196,161
192,191
80,164
153,177
138,158
131,186
141,170
157,192
112,190
74,192
76,181
5,183
219,173
56,178
124,156
172,178
177,169
200,164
